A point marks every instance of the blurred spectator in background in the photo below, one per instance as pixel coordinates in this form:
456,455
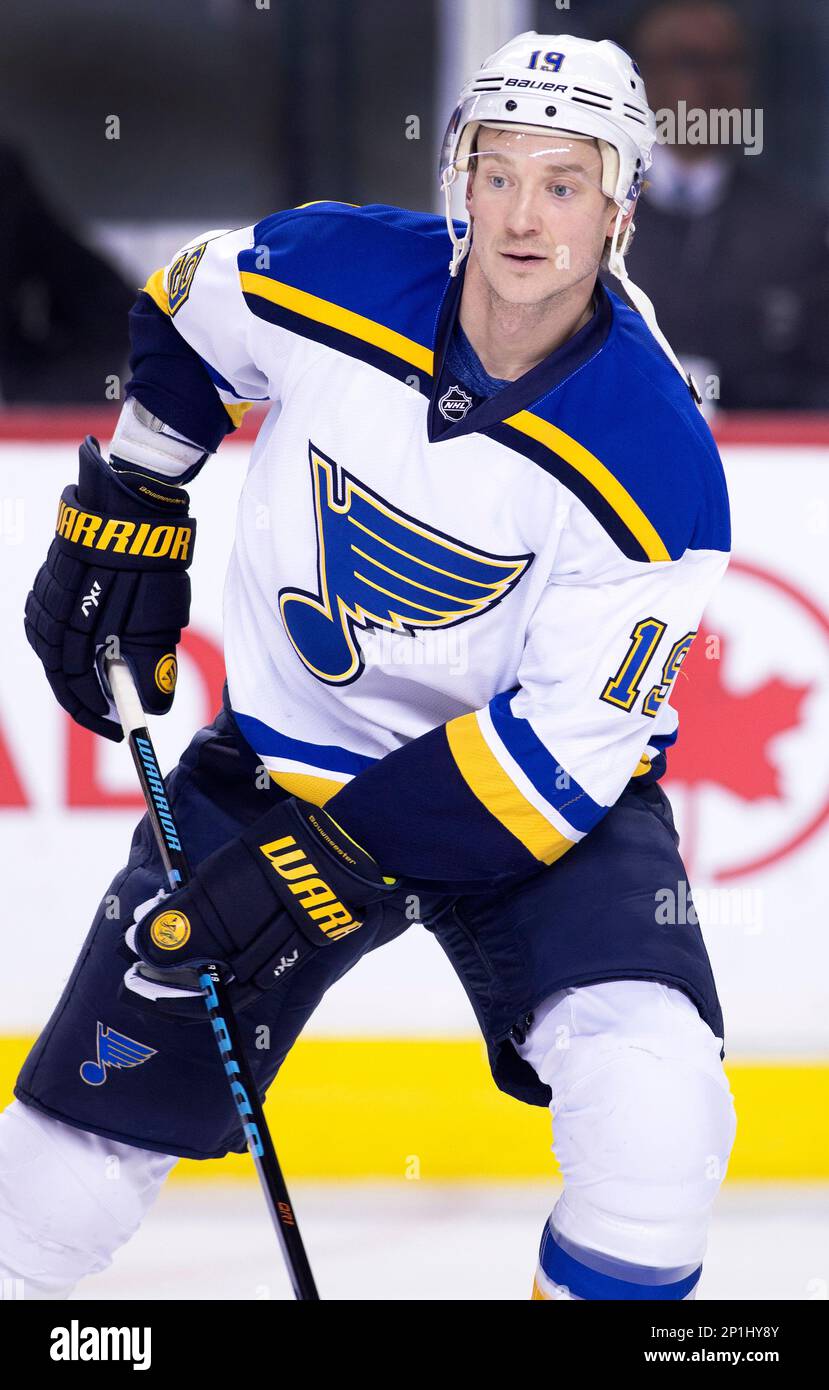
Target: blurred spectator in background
63,311
738,264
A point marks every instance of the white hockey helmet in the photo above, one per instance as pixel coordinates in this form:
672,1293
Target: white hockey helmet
545,82
559,84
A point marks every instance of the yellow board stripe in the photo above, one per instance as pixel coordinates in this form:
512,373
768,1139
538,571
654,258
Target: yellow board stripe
157,292
485,776
309,306
598,475
404,1108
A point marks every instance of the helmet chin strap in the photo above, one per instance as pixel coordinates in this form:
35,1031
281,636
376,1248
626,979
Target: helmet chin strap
640,301
459,247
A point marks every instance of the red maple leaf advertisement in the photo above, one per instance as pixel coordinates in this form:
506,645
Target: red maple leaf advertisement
725,739
724,735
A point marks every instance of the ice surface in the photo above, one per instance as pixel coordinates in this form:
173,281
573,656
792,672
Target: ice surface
418,1240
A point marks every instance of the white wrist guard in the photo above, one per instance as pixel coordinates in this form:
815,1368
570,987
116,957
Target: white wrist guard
143,439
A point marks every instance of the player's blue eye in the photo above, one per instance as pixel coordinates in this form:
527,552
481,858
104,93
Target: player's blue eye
561,190
494,177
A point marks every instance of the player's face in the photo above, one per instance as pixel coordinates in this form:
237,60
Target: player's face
540,216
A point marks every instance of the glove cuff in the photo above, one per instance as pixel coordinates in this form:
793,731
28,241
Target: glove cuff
341,850
122,486
304,859
323,877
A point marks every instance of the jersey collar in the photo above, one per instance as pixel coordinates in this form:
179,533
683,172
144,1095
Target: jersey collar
529,388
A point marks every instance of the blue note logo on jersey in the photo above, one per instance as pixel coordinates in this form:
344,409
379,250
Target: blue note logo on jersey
114,1050
379,568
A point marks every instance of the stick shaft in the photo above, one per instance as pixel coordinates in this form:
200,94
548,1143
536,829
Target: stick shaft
219,1011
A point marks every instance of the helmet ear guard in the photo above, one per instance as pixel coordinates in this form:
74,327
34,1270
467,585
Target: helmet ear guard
544,84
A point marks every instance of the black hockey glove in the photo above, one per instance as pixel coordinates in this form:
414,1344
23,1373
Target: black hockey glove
287,887
117,568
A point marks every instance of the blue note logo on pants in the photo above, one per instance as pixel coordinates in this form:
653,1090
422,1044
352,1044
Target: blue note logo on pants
114,1050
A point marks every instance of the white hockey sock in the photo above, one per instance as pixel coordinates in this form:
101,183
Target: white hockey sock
68,1200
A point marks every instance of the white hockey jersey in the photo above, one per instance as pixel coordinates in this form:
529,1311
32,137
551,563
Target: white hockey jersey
456,621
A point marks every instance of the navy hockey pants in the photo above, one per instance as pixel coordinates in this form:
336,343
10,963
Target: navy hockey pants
591,916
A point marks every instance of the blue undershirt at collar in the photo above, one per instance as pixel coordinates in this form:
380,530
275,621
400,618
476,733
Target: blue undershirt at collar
463,362
451,416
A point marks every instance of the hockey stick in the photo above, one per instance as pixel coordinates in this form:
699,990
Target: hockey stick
219,1011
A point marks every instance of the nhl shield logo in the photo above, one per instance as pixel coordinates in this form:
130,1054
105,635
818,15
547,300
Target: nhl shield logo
454,404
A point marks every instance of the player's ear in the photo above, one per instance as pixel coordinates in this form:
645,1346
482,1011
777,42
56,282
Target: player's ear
611,223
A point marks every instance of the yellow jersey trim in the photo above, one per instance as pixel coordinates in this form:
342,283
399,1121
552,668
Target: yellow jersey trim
598,475
309,306
317,790
237,411
156,289
492,786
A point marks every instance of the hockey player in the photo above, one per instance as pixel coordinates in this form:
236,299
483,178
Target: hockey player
467,431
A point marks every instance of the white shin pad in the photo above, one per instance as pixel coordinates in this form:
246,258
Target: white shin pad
643,1118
